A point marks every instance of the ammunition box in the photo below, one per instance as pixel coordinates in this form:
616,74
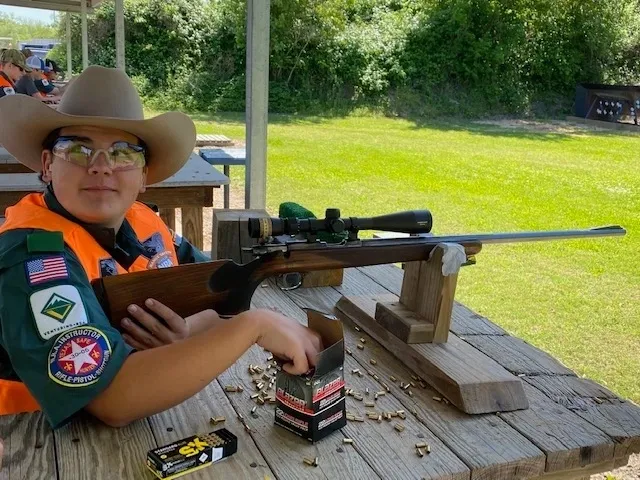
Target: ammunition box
313,405
191,453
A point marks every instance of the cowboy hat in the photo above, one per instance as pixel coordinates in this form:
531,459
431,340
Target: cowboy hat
101,97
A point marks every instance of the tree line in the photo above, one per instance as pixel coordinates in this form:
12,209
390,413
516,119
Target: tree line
405,57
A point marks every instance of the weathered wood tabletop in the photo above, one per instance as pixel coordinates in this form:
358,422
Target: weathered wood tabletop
573,428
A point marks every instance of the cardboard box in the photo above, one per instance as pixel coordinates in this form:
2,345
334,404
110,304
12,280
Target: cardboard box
313,405
191,453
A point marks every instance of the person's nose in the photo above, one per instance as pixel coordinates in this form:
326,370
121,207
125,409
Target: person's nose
100,163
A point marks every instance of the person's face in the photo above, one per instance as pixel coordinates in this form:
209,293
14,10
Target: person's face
99,193
13,71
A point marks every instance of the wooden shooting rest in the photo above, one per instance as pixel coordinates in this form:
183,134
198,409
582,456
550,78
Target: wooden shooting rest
415,328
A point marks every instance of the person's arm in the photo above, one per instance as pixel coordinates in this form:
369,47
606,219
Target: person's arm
63,347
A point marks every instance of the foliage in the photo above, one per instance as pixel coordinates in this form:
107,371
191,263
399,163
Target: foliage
424,57
19,29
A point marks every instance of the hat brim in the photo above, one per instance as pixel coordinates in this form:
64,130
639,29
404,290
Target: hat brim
26,121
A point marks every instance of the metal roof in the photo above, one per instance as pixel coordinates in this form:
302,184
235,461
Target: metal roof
59,5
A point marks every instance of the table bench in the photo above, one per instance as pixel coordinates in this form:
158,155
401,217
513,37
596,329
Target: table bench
190,189
573,428
208,140
225,157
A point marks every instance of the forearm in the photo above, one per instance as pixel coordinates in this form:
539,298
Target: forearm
151,381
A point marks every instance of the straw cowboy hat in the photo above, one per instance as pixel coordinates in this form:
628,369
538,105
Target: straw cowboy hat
101,97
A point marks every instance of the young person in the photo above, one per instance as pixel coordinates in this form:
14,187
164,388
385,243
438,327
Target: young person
58,351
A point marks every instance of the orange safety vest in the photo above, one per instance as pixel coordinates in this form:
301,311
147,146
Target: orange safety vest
5,82
32,212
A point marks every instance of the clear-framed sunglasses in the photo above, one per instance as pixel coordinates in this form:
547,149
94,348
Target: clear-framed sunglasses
120,155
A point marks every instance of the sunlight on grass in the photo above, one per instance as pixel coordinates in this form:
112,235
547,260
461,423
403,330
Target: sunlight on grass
577,299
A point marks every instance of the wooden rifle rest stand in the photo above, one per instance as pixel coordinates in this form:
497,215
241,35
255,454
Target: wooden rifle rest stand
415,328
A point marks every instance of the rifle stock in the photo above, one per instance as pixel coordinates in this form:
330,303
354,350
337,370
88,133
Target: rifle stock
227,287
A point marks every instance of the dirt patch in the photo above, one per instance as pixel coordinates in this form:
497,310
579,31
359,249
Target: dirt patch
561,127
631,471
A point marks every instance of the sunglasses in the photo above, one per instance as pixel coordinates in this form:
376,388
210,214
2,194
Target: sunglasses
18,67
120,155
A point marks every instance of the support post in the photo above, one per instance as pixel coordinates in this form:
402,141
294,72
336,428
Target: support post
85,38
69,52
120,49
257,102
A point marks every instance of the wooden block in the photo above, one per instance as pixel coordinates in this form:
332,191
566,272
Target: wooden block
192,226
469,379
404,323
230,233
323,278
168,216
27,432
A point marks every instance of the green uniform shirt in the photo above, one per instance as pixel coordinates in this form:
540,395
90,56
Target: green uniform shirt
54,336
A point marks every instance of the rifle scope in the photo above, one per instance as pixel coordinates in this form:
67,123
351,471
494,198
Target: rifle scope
412,221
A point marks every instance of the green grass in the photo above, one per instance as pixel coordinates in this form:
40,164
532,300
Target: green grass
577,299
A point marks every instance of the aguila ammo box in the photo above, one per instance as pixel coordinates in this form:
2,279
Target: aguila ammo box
313,405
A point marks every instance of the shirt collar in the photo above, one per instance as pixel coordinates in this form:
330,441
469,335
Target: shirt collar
123,244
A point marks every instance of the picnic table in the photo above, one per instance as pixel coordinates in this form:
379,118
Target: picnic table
190,189
573,427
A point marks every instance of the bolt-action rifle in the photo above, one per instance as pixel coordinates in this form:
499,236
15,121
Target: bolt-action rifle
291,245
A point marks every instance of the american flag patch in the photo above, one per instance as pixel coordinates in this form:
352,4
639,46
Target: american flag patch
46,269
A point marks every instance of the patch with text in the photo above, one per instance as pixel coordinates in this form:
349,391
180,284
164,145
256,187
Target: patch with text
79,357
56,309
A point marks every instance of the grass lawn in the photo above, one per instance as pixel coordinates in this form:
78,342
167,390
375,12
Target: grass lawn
577,299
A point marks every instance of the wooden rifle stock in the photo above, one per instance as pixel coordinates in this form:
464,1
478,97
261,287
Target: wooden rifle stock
227,287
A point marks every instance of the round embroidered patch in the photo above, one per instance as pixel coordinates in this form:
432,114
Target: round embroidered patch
79,356
160,260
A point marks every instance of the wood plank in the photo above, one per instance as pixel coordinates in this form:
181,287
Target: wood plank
87,448
465,376
568,441
168,216
192,417
518,356
582,473
618,418
282,449
192,230
390,453
29,451
463,322
213,140
485,443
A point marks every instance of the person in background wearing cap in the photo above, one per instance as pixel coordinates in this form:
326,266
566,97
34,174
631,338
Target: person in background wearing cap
60,352
12,68
32,83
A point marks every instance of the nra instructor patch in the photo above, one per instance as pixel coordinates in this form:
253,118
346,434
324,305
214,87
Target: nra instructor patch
79,356
56,309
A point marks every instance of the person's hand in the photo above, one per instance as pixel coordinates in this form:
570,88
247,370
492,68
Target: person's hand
289,340
156,334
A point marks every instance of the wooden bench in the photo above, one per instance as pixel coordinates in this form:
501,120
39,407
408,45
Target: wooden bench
207,140
190,189
225,157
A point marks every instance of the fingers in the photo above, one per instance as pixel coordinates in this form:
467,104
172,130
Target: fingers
298,364
151,323
139,334
134,343
174,321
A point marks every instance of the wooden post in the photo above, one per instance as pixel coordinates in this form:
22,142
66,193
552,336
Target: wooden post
423,313
257,102
120,62
85,39
69,53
